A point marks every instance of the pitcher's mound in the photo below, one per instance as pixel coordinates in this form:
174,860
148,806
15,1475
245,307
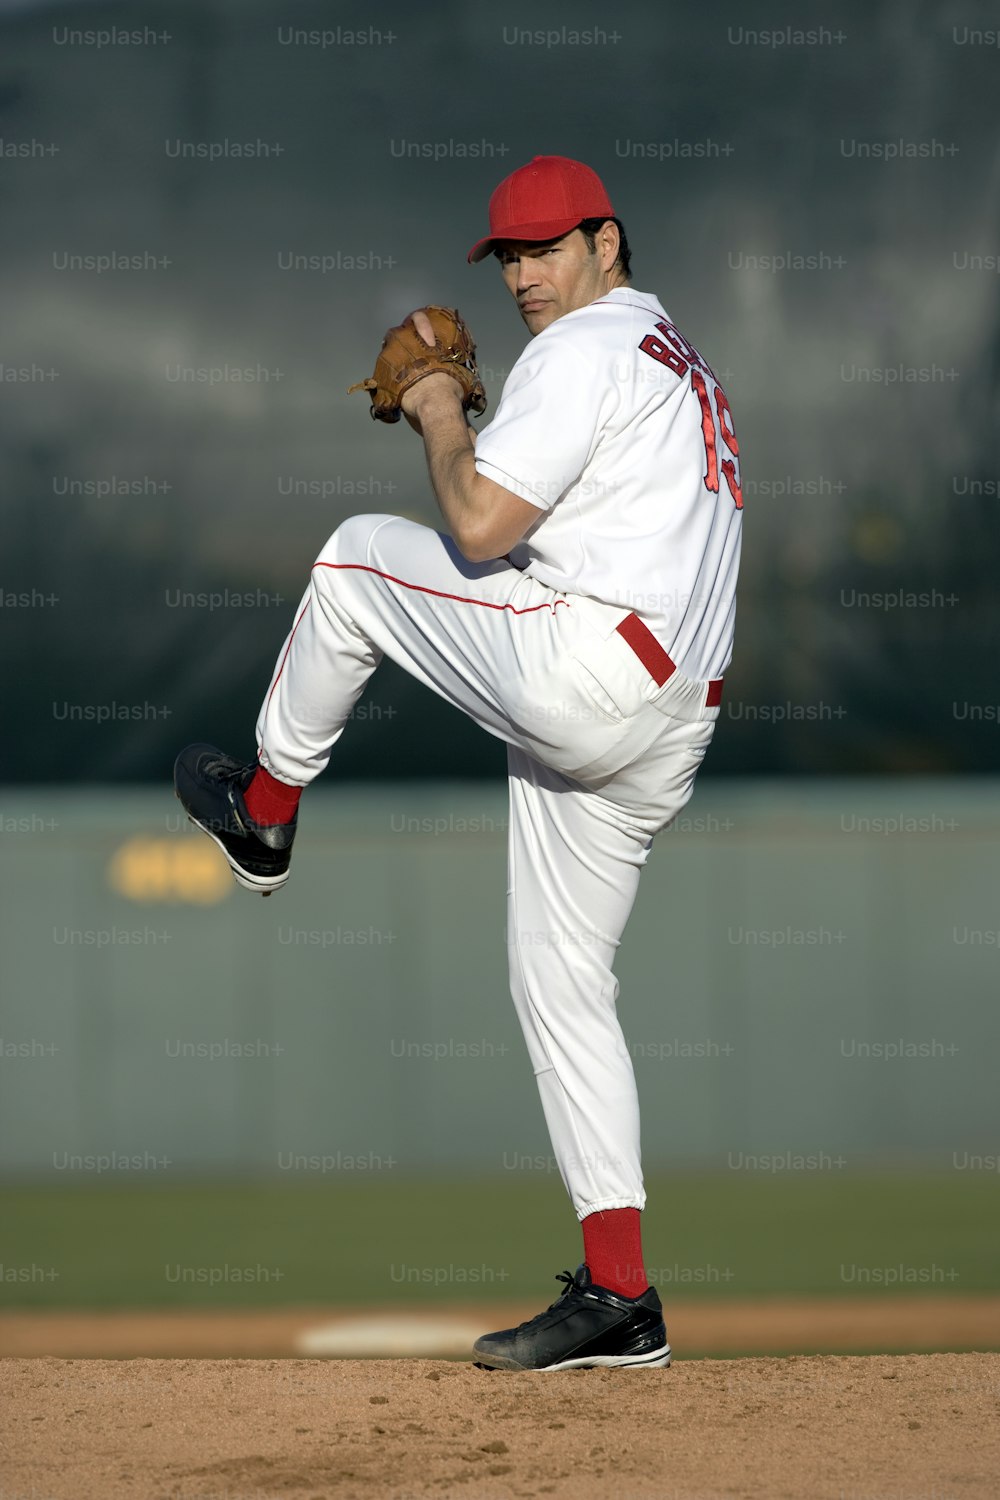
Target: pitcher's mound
831,1427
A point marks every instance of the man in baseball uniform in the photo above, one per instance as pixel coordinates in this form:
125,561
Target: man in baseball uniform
579,604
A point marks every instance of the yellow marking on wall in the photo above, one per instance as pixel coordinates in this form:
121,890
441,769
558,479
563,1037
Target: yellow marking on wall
158,869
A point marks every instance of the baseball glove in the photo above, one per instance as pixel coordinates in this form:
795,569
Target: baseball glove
404,359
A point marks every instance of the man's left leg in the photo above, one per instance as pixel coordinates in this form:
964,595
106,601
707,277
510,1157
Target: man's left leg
576,854
574,865
574,862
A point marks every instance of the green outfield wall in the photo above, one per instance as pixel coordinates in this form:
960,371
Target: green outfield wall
810,980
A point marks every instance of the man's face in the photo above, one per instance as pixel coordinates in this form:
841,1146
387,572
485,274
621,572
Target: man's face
550,279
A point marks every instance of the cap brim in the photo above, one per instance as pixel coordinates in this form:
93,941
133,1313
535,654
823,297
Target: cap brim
531,233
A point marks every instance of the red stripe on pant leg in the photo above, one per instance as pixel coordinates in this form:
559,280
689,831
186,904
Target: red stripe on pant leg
418,587
288,648
438,594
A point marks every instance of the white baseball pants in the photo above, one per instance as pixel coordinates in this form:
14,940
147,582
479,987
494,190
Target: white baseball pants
599,758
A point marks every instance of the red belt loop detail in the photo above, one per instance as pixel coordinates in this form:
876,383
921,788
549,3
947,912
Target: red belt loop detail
656,661
647,648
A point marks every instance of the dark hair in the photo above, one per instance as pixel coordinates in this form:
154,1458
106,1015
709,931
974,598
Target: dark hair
589,227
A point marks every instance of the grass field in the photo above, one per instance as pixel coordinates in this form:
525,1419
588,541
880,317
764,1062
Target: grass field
336,1241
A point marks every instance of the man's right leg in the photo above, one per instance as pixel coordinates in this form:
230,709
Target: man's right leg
382,585
386,586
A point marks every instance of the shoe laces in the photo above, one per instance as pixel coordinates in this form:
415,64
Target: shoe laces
570,1279
225,768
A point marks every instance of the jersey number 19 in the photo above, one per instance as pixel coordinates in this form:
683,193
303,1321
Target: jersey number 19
678,355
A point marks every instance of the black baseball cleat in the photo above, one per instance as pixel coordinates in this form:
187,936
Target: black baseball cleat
210,787
586,1325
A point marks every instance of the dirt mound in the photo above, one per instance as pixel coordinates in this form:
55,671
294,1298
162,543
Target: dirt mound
830,1427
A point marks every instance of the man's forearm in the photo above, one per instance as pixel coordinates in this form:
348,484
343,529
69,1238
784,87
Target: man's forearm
485,519
449,445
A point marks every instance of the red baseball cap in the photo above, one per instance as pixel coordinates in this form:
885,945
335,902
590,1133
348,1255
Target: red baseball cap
543,201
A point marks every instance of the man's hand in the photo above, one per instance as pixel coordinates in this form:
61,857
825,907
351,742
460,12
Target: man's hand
416,397
422,324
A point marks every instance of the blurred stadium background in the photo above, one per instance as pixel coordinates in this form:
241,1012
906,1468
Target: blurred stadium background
325,1102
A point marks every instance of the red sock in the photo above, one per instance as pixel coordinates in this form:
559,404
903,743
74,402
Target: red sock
612,1248
269,800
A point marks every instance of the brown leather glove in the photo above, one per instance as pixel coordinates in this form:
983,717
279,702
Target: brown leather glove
404,359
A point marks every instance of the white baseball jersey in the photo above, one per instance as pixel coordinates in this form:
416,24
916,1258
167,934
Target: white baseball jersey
616,428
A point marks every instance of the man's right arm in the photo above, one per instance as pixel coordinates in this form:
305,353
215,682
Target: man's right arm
485,519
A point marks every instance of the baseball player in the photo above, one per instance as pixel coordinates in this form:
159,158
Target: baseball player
579,604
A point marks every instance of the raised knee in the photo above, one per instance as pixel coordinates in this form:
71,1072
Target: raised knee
351,541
